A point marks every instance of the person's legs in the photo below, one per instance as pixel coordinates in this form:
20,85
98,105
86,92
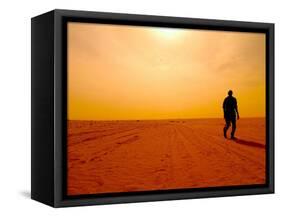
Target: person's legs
227,125
233,123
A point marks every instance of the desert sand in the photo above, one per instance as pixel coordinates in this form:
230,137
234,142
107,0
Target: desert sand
124,156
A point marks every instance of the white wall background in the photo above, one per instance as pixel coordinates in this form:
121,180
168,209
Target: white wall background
15,106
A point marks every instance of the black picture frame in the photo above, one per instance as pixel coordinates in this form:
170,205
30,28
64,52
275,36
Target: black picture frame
49,107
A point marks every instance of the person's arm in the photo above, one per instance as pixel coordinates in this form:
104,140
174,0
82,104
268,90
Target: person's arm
223,107
236,109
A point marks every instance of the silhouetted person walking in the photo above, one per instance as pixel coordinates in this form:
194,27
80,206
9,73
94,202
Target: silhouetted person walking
230,110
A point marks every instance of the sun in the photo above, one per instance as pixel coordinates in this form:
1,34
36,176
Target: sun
168,33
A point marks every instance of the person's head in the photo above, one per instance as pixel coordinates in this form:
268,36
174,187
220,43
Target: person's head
230,93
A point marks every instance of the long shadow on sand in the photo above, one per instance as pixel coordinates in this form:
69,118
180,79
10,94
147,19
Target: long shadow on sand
249,143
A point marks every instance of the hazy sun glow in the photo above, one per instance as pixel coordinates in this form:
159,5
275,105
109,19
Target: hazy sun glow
129,72
169,33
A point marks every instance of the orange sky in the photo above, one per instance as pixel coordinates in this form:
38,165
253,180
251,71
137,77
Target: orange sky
128,72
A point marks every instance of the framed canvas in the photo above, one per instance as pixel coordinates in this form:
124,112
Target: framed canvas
133,108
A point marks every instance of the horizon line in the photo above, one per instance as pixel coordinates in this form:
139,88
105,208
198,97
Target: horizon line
163,119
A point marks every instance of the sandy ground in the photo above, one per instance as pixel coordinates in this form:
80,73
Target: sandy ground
122,156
